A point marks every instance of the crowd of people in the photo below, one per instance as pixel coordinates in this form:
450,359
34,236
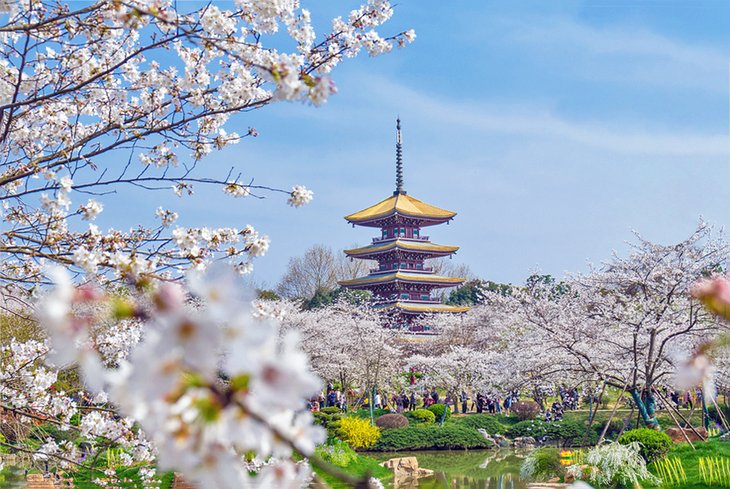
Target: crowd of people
403,401
568,399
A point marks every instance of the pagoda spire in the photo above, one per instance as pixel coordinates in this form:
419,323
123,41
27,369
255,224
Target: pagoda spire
398,161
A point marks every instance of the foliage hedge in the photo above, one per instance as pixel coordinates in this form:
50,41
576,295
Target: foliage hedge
365,413
358,432
568,433
712,413
330,422
654,444
614,428
424,437
421,416
330,410
487,422
391,421
438,410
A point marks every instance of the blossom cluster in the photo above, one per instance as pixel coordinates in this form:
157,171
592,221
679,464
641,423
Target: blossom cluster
209,381
30,390
142,102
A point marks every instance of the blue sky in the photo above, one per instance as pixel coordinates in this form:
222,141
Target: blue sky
554,129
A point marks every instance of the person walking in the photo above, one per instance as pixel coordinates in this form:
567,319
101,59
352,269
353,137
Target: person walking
412,403
463,398
399,403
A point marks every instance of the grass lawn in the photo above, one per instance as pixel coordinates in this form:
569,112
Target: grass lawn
665,420
690,460
361,466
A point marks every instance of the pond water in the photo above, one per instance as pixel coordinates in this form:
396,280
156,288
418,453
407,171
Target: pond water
474,469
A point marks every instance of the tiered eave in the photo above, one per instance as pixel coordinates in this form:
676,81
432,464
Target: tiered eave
388,277
380,247
400,208
415,308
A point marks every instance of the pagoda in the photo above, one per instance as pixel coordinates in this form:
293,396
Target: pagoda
402,283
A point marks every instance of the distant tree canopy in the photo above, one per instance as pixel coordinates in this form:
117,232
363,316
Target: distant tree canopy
323,298
267,295
472,292
546,286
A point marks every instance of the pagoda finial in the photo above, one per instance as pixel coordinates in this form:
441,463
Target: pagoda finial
398,161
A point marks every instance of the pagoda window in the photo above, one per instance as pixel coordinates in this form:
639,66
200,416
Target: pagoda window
403,265
385,233
395,232
405,296
419,266
424,297
382,266
403,232
415,233
395,266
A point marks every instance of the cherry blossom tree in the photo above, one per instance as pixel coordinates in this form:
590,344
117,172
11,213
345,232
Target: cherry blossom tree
108,96
628,322
111,94
492,349
347,343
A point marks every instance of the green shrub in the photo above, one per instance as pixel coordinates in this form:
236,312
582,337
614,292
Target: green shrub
330,422
330,410
425,437
654,444
535,428
421,416
487,422
568,433
712,413
526,409
541,465
365,413
337,453
358,432
438,410
614,429
391,421
506,419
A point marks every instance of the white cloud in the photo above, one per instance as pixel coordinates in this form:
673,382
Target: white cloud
621,53
541,123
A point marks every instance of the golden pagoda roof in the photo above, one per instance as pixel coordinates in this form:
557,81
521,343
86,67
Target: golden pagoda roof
403,244
423,307
402,204
402,276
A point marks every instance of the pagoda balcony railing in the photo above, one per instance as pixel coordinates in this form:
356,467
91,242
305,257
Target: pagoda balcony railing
417,238
417,301
424,269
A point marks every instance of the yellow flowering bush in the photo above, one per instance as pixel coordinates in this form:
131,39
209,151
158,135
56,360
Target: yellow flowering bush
358,433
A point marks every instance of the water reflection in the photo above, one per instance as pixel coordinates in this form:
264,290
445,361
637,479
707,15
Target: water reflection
12,477
482,469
